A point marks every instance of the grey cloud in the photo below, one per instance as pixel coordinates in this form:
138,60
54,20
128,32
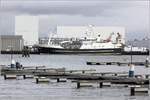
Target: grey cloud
84,7
132,14
6,26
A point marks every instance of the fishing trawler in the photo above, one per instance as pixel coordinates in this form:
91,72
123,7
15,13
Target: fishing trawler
113,44
82,46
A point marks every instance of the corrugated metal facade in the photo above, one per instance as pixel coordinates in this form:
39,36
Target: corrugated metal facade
8,42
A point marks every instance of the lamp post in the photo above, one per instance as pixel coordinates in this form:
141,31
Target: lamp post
131,53
11,51
131,70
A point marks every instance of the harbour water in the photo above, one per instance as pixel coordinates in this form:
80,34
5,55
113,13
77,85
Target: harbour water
28,90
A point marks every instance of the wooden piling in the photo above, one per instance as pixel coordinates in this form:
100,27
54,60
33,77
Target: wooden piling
24,76
116,74
58,80
83,72
100,84
78,85
132,91
5,77
37,80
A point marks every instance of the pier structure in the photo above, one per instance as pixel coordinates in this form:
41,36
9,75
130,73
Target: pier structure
146,63
82,78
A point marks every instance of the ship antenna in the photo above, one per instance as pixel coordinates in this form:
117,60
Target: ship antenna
50,38
90,30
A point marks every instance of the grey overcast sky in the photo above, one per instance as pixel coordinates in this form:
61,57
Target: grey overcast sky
134,15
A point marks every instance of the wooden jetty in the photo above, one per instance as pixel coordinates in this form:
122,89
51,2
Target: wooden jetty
138,90
118,63
62,73
43,75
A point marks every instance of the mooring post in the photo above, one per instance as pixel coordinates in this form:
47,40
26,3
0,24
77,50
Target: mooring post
58,80
147,62
37,80
24,76
78,85
101,84
5,77
132,91
116,74
118,63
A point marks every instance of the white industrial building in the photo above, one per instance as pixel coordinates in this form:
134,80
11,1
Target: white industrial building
27,26
90,31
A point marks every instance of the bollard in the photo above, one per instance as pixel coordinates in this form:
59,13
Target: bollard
24,76
58,80
147,62
37,80
118,63
78,85
116,74
131,71
101,84
132,91
5,77
83,72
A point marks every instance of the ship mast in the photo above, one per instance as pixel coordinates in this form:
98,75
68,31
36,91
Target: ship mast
50,37
90,31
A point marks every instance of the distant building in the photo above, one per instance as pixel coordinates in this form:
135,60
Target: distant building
27,26
140,43
91,32
11,42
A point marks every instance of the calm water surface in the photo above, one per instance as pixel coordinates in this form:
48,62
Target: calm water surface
28,90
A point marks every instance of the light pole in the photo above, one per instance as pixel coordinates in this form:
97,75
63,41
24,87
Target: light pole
131,71
11,50
131,53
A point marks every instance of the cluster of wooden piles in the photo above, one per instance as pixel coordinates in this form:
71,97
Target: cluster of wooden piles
81,77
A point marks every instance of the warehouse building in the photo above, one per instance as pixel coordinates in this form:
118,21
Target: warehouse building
9,43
